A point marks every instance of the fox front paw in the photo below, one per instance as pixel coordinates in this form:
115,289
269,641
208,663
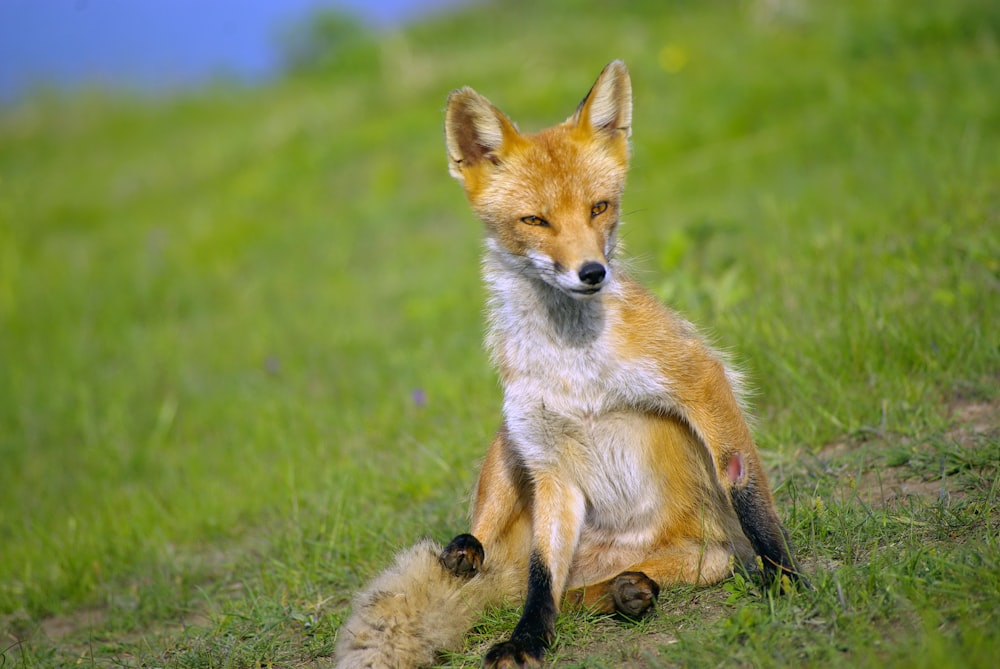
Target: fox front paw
514,654
634,594
463,556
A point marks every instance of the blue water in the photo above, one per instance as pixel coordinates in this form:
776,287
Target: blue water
158,45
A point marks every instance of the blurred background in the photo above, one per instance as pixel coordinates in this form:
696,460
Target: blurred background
159,46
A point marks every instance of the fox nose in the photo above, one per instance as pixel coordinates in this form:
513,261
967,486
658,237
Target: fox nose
592,273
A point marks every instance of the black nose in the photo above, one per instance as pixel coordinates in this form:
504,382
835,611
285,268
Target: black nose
592,273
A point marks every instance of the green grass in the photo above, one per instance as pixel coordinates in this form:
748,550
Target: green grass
218,312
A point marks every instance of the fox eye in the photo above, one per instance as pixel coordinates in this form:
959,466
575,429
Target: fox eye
535,220
599,208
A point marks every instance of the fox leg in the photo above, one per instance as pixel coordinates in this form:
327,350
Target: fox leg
709,405
558,513
632,594
499,541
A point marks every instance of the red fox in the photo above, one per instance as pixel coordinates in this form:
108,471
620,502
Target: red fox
624,462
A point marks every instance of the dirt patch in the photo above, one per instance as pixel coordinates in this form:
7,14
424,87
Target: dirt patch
973,420
20,630
882,481
56,628
623,653
19,627
892,485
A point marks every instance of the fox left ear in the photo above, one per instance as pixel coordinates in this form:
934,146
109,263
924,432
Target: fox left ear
608,105
475,132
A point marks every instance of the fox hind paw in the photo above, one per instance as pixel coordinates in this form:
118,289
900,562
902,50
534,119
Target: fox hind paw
463,556
635,595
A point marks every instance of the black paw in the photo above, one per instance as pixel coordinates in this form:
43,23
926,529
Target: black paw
767,536
634,594
514,654
781,567
463,556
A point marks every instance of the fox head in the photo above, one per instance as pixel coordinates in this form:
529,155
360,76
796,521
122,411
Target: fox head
550,201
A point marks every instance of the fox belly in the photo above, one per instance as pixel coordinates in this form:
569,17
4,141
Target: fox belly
651,490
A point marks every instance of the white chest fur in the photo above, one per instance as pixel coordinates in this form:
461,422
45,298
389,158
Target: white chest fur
573,404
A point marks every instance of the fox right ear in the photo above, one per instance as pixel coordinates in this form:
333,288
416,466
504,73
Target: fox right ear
475,131
608,105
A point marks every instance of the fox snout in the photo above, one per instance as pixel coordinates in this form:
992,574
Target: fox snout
591,275
581,280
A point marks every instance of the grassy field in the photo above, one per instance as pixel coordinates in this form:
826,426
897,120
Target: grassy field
240,330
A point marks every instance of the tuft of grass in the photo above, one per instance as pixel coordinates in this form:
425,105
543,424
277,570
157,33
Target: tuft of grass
240,330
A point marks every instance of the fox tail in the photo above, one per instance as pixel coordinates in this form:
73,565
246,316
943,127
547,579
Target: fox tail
411,611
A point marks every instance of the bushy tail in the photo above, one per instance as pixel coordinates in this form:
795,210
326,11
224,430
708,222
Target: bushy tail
411,611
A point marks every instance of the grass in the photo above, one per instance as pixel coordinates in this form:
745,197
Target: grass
240,356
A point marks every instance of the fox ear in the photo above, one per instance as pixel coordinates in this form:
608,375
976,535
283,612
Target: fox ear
608,105
475,131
